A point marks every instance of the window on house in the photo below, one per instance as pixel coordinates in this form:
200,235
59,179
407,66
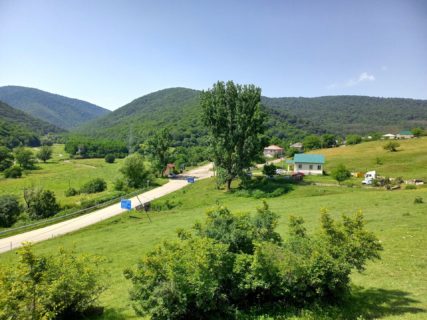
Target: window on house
300,166
311,167
319,167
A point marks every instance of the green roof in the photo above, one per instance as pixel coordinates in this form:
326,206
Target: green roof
309,158
405,133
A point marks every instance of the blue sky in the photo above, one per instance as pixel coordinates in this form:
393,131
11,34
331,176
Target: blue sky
111,52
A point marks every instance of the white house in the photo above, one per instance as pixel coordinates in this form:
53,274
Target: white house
389,136
273,151
307,163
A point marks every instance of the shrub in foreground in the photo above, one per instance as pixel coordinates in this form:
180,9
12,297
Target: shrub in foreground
61,286
238,262
9,210
110,158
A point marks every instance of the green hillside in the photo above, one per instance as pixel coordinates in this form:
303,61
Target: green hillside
60,111
178,109
355,114
290,119
17,127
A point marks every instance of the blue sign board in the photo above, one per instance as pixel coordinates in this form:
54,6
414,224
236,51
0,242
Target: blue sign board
126,204
190,179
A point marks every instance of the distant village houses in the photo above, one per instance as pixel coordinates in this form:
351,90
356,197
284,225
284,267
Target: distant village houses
273,151
405,134
298,146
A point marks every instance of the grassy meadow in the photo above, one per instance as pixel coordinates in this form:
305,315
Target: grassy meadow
393,288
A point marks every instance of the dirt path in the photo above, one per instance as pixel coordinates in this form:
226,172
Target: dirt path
61,228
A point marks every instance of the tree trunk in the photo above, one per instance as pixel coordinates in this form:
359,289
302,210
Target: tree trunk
229,184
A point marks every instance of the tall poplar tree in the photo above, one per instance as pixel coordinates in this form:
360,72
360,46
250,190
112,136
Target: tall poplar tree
233,116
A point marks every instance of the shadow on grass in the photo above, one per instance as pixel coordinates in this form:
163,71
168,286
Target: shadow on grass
364,304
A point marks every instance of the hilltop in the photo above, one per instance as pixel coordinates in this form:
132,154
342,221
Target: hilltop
63,112
290,119
19,127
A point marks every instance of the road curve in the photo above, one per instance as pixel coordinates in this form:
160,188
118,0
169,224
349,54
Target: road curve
61,228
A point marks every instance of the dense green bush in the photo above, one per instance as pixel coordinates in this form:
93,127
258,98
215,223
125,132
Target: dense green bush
70,192
410,187
237,262
110,158
9,210
94,148
45,153
41,203
418,200
341,173
13,172
269,169
391,146
61,286
94,186
353,139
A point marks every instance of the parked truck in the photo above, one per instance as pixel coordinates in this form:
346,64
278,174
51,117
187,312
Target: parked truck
370,176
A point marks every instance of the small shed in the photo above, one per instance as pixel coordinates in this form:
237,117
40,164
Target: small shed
273,151
307,163
405,134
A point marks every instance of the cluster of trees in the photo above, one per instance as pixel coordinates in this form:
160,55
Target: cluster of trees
85,147
61,286
24,159
39,204
236,262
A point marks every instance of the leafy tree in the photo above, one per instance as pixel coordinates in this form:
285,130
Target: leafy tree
291,152
232,114
110,158
269,169
9,210
417,132
25,158
391,146
61,286
93,186
13,172
328,140
341,173
158,149
40,203
135,171
312,142
6,158
45,153
353,139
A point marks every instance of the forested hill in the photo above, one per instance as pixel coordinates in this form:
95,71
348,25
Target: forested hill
355,114
17,127
58,110
177,109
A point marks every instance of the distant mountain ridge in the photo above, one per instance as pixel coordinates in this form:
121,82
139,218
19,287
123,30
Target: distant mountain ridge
63,112
290,119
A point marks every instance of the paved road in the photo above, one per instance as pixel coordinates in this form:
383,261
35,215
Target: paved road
74,224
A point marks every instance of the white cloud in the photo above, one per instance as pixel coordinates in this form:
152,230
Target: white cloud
363,77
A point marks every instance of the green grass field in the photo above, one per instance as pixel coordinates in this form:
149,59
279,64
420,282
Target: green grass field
392,288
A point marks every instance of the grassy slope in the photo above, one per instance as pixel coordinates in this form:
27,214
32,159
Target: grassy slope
409,162
393,288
